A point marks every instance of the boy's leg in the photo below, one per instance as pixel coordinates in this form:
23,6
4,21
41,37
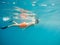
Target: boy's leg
13,25
15,22
10,26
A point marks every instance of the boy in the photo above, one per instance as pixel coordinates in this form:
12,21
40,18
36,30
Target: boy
24,16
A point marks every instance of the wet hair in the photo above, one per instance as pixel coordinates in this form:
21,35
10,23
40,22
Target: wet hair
37,21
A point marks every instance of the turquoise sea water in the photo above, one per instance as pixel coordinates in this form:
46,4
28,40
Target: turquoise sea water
47,32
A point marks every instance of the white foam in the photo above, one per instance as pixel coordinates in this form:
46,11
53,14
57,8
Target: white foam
43,5
3,2
33,4
53,4
14,2
6,18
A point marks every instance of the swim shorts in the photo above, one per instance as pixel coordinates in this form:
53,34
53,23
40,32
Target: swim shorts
22,25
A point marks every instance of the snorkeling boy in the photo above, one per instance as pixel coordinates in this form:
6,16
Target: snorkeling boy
25,16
